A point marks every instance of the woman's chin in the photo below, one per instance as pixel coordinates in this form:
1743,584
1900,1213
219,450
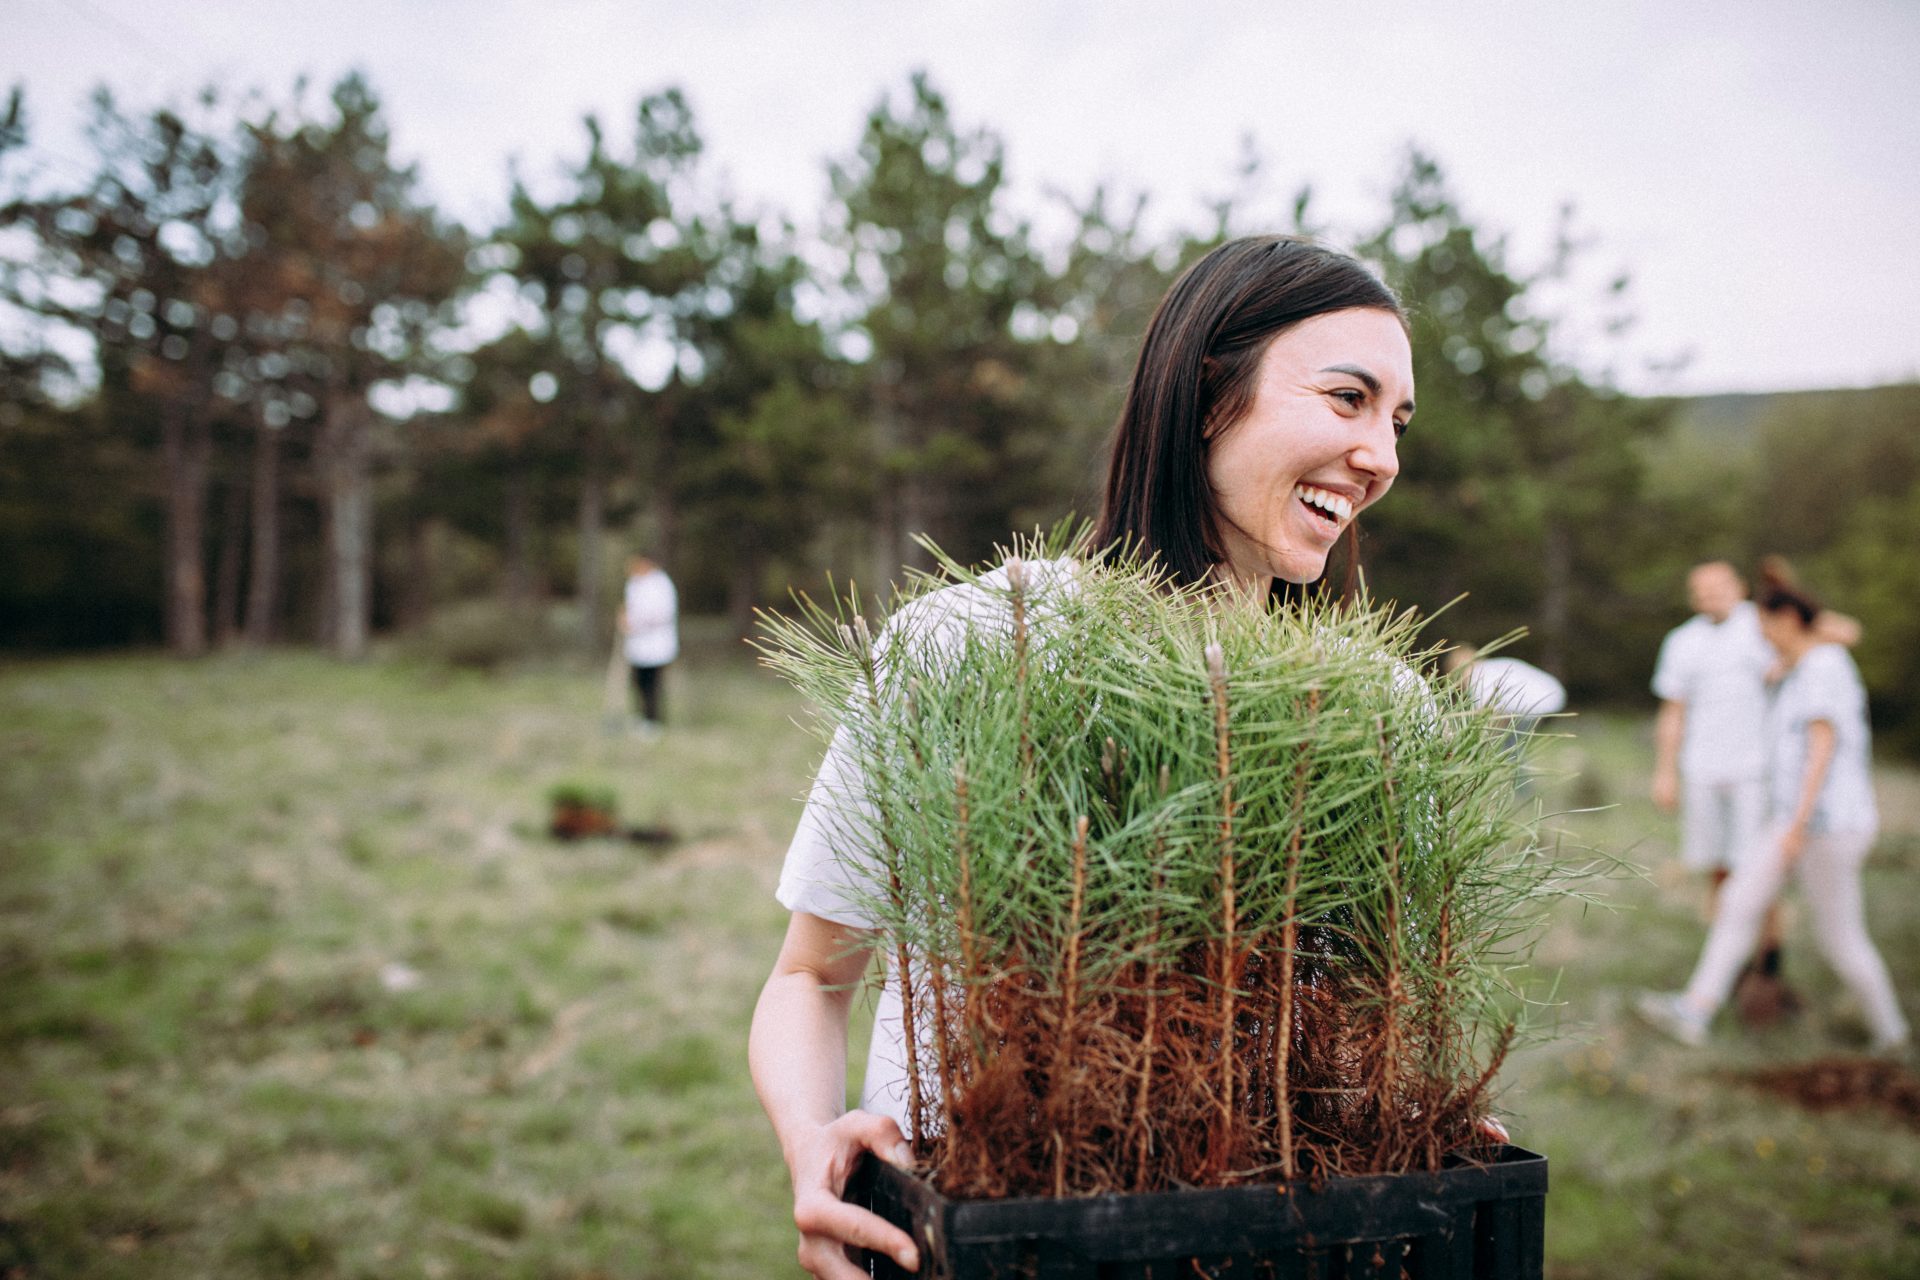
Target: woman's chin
1300,569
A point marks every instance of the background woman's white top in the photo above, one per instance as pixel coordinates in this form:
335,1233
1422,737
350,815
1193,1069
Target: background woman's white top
1823,685
653,607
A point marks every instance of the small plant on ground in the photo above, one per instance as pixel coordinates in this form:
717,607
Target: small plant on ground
582,809
1175,890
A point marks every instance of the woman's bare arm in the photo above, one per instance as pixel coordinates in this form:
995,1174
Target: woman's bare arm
1821,741
798,1053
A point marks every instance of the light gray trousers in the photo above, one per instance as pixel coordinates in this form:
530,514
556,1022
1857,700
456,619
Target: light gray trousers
1829,875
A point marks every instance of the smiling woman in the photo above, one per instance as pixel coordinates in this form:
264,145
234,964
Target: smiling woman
1263,416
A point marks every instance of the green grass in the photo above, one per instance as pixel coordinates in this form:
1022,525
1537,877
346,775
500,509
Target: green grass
205,871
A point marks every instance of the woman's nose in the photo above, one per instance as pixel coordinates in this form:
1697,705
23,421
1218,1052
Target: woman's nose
1378,451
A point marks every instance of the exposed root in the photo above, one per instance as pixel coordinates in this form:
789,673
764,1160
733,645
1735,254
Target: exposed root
1144,1077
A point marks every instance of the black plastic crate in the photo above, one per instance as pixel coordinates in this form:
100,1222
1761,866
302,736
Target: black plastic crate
1471,1221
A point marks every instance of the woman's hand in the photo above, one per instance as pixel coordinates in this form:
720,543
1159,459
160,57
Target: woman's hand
828,1224
1822,740
1793,842
1666,790
798,1049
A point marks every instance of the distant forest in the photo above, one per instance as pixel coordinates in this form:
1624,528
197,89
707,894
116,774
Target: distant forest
255,391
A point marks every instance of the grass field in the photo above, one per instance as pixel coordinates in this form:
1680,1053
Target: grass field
293,984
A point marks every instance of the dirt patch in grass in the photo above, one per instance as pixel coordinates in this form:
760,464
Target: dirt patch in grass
1842,1084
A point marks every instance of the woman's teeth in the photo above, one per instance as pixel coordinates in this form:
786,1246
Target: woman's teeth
1331,505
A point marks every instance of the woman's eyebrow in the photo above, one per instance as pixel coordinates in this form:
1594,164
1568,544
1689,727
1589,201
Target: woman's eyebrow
1355,371
1372,383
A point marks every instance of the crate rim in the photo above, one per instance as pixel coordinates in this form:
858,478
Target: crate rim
1257,1218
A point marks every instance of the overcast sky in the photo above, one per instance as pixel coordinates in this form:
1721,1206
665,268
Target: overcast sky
1754,165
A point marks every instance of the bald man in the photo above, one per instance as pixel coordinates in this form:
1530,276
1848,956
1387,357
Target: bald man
1711,679
1709,759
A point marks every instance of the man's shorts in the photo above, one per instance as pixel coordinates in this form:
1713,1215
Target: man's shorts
1722,823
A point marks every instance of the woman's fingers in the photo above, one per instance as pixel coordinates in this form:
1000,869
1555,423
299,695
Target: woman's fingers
830,1222
827,1223
1494,1129
827,1267
876,1133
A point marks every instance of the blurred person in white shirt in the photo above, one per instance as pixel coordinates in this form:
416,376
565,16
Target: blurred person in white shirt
1517,690
649,619
1709,762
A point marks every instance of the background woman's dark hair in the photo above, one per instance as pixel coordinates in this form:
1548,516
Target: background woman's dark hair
1780,591
1196,376
1779,598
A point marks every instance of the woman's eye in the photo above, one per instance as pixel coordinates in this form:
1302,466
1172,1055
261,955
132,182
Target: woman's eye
1350,398
1400,426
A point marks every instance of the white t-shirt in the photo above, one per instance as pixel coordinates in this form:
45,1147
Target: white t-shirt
1719,670
827,872
1515,688
1823,685
652,608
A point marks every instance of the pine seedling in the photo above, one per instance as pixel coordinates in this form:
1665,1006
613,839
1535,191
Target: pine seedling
1176,889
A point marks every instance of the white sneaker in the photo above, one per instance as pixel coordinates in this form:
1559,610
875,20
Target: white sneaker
1668,1012
1891,1046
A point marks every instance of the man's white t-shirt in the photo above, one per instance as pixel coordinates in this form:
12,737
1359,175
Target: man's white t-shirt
1823,685
1719,670
652,609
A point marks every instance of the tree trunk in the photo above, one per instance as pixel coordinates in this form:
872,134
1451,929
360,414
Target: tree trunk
347,494
1556,597
184,447
263,564
414,600
890,504
593,511
226,571
665,545
516,578
743,585
916,517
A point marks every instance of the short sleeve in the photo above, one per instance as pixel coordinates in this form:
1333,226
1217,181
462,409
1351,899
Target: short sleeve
1826,690
829,869
832,869
1672,672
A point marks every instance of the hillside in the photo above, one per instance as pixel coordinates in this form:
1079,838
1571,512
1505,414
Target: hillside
1737,418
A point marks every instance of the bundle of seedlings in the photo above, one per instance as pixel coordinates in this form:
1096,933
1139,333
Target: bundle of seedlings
1176,889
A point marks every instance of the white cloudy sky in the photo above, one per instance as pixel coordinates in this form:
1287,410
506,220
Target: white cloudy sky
1754,164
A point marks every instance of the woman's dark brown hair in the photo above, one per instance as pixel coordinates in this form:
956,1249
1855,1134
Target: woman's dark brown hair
1195,377
1778,598
1781,592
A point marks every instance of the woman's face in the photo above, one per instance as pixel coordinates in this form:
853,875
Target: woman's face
1316,447
1781,628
